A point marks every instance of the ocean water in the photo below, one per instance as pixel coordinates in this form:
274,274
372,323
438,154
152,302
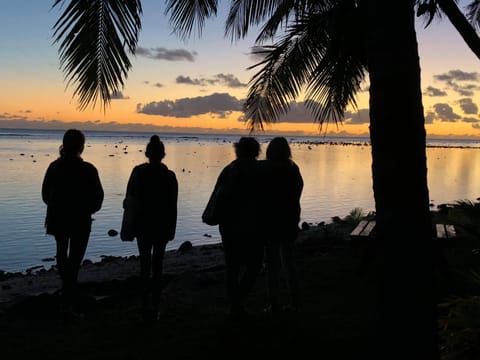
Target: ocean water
336,174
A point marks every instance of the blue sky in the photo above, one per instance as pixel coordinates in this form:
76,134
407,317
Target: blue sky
169,73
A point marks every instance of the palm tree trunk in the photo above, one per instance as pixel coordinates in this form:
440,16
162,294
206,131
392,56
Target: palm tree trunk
406,312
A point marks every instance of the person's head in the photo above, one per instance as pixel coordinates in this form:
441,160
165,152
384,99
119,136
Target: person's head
278,149
247,148
155,149
73,143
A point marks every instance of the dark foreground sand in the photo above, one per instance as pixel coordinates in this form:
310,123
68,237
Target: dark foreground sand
335,321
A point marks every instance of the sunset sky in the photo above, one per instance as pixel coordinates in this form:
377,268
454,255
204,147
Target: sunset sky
198,84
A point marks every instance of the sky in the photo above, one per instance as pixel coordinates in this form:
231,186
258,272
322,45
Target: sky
197,85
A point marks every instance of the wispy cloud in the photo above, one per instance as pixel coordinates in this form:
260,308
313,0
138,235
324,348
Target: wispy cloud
161,53
461,82
228,80
434,92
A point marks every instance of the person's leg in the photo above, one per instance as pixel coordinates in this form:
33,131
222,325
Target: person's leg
232,270
157,272
78,247
62,257
272,259
252,257
290,270
144,251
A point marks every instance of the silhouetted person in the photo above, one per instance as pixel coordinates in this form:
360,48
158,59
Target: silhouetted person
72,191
155,190
284,185
239,224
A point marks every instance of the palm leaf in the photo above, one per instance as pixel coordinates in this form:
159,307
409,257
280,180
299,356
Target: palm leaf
314,53
94,38
185,15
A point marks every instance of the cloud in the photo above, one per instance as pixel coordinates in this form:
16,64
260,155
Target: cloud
455,80
228,80
429,117
468,106
471,120
457,75
219,104
161,53
434,92
298,113
158,85
444,112
118,95
362,116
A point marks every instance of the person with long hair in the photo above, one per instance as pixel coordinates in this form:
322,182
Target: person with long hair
239,223
72,191
154,189
283,188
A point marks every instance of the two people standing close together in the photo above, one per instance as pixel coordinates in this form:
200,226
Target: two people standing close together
259,212
263,215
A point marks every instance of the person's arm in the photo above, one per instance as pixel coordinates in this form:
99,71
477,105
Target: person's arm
97,191
172,200
47,185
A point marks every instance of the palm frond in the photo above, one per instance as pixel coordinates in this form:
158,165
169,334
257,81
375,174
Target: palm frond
473,13
185,15
94,38
285,69
319,53
244,13
290,11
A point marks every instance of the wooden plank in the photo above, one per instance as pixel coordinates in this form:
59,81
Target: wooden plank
367,231
440,231
359,228
450,230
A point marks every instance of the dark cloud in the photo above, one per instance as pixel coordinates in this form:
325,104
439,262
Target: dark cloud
219,104
455,80
362,116
471,120
434,92
429,117
228,80
468,106
118,95
189,81
161,53
444,112
298,113
457,75
158,85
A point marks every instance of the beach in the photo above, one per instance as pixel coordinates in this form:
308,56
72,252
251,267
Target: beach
336,319
194,319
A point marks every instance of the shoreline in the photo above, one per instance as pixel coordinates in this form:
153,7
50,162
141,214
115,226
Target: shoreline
187,258
20,285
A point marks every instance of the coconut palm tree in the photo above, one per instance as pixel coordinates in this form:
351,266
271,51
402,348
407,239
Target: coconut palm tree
322,49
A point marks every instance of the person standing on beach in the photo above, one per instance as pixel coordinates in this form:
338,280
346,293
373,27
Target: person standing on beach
239,224
72,191
284,185
155,190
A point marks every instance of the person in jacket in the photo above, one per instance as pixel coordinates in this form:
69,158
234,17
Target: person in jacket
72,191
239,223
154,189
284,185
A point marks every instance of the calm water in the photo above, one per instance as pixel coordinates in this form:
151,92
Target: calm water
337,179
